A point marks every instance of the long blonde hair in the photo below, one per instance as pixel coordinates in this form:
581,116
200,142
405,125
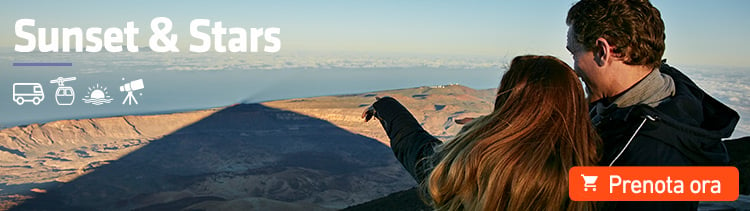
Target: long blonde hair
518,157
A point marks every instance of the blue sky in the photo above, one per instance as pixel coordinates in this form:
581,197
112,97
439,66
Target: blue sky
698,32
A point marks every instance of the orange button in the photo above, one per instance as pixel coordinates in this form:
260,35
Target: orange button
654,183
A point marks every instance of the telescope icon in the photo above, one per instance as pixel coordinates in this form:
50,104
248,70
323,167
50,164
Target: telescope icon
130,87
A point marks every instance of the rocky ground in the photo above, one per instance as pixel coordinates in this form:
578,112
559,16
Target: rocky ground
297,154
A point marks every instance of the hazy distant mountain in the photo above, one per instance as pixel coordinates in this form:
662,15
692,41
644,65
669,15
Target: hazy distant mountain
297,154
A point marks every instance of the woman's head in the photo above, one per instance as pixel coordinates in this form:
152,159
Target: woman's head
537,85
517,157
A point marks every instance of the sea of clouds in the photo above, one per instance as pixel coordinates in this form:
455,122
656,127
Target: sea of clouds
730,85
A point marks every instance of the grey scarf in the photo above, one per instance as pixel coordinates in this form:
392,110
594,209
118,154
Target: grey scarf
652,90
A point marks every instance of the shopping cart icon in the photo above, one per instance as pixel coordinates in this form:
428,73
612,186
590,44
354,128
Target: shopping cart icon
589,182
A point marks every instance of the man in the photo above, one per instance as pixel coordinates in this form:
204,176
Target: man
647,113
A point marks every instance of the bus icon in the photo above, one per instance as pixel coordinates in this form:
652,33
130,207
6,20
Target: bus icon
28,92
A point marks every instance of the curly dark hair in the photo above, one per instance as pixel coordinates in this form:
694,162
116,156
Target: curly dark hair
633,27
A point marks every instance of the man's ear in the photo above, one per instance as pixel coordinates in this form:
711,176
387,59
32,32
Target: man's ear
601,51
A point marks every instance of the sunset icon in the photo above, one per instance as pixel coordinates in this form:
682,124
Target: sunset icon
97,95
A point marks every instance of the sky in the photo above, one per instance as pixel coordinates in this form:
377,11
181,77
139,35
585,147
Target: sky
698,32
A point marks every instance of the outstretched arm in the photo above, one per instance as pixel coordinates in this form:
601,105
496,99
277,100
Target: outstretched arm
409,141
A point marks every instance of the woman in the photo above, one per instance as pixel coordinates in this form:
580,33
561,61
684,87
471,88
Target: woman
515,158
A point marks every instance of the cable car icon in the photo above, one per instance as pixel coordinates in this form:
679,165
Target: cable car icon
64,95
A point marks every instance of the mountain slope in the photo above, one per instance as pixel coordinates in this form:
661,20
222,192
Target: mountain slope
315,152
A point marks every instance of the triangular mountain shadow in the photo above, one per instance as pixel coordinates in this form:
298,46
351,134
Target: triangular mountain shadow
242,157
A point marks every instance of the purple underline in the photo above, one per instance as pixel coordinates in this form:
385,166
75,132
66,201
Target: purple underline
42,64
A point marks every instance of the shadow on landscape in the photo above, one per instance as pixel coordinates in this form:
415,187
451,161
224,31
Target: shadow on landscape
250,154
246,151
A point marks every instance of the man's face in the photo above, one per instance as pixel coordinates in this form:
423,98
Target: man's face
584,63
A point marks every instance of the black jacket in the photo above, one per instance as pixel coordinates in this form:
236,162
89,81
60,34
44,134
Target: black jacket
409,141
685,130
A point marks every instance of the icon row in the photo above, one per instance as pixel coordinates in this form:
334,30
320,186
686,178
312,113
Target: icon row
66,95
